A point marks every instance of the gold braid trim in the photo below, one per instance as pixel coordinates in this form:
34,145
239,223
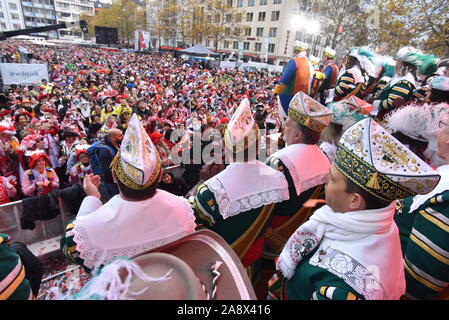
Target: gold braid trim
116,164
306,121
245,143
368,178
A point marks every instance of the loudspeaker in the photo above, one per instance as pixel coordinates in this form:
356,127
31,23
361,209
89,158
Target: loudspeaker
106,35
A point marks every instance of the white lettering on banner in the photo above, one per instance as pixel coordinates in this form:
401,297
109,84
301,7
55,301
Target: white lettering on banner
23,73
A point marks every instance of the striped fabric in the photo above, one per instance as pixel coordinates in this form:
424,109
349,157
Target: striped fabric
379,87
333,293
401,90
346,87
426,253
13,284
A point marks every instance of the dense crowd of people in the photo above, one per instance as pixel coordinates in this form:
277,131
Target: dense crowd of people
91,92
328,182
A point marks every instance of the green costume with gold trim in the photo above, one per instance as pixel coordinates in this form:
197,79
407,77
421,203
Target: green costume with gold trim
425,245
207,213
291,212
312,283
402,89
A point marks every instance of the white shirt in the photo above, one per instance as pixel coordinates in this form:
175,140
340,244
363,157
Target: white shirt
129,228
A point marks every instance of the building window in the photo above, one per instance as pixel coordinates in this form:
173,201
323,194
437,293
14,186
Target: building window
230,3
298,36
12,6
245,45
258,46
16,26
207,43
235,45
248,32
277,1
15,16
1,15
262,16
227,31
259,32
215,44
271,47
251,3
263,2
228,17
238,17
275,15
3,25
239,3
273,32
226,44
237,31
249,17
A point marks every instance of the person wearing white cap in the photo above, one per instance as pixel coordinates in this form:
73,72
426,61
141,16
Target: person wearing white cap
297,76
359,66
350,248
237,203
409,63
140,218
330,71
304,166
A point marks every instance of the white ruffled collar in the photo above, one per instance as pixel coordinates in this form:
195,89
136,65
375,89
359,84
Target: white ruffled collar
245,186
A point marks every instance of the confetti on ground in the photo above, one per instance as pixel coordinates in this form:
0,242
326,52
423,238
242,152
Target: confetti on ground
69,282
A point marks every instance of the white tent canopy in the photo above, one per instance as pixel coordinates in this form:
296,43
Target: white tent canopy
198,49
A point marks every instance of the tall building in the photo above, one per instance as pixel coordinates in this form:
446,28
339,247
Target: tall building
11,17
38,13
152,10
69,11
271,28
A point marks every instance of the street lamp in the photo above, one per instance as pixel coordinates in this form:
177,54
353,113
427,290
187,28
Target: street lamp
314,27
308,25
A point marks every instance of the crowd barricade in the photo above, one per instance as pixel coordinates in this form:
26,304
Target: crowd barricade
44,238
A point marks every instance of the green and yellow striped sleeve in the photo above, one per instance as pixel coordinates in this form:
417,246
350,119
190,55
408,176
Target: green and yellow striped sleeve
335,293
401,90
205,207
345,85
426,257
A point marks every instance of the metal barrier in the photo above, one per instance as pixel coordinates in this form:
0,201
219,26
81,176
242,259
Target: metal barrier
10,214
